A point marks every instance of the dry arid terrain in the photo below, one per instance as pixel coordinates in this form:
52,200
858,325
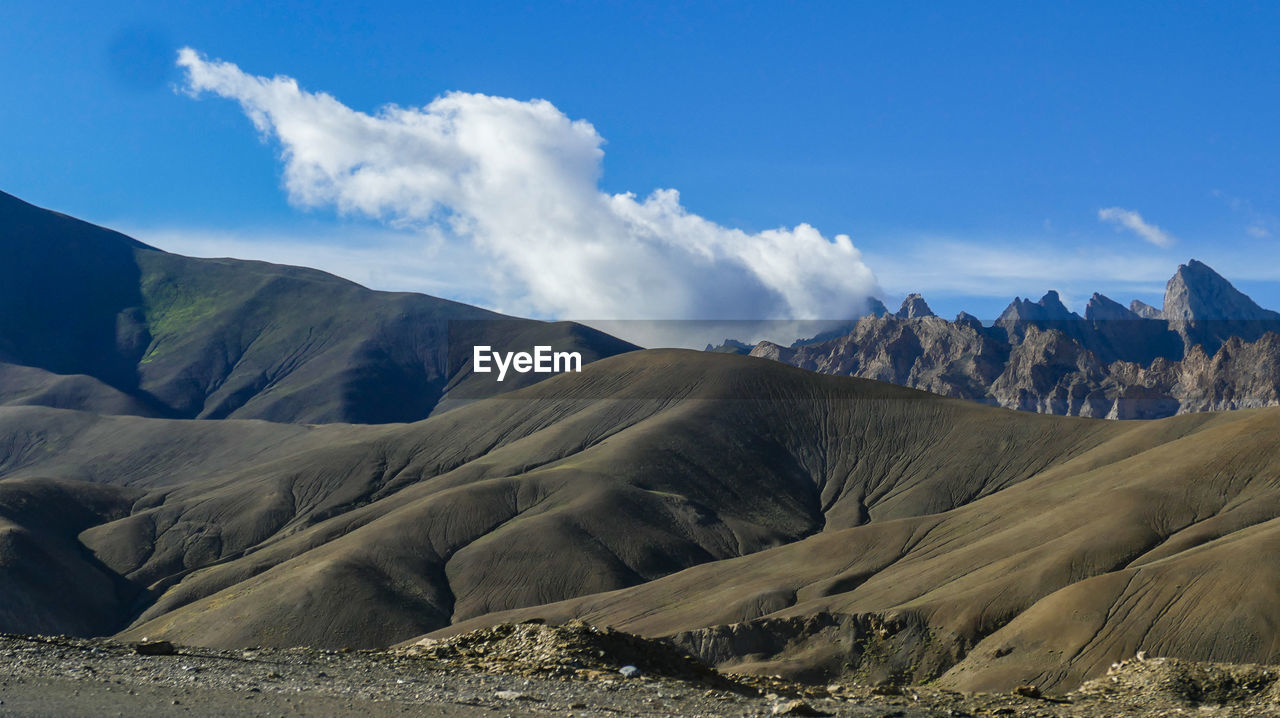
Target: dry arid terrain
766,519
176,465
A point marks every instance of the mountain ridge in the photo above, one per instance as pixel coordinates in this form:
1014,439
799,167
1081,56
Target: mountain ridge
1213,349
151,333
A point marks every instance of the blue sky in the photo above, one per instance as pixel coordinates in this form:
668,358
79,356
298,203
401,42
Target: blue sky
967,149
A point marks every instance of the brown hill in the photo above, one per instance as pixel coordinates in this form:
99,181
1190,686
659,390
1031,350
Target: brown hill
1158,539
763,517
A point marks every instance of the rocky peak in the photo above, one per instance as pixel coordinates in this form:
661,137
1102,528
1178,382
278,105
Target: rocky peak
1144,310
1054,308
1197,293
913,307
875,307
968,320
1049,308
1103,308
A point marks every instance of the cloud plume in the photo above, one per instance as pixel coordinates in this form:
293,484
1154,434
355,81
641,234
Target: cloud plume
1134,222
517,182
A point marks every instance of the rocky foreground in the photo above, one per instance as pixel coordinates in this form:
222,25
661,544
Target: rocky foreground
535,670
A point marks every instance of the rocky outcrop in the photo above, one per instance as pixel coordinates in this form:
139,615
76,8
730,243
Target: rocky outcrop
819,647
1211,348
571,650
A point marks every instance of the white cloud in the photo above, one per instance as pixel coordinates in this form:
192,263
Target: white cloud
1134,222
515,184
443,269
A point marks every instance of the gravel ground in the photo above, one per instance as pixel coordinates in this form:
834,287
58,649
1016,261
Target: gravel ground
56,676
63,677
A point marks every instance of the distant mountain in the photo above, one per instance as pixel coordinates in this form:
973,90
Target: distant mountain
1211,347
91,319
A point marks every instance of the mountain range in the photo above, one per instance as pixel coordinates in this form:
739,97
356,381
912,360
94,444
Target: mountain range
232,454
1209,348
